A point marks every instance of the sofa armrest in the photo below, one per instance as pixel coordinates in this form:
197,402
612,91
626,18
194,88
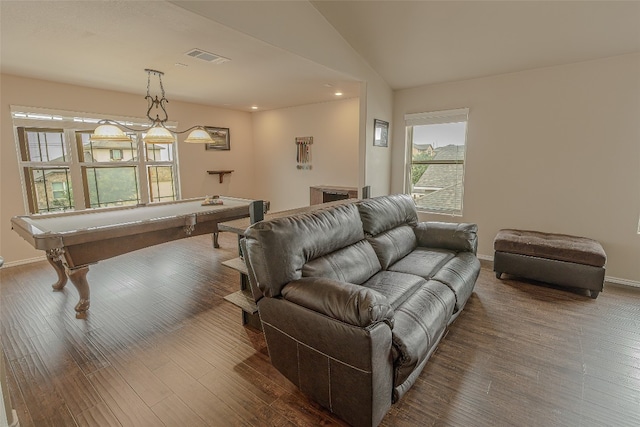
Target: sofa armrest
343,367
460,237
349,303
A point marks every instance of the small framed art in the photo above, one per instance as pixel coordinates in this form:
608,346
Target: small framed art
221,138
380,133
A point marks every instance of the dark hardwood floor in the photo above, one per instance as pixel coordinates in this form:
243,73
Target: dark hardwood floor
162,347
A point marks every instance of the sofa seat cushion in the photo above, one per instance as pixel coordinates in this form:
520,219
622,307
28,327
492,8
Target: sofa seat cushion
418,326
423,262
460,275
397,287
353,264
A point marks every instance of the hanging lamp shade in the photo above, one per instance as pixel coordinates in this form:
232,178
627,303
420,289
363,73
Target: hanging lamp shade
108,133
199,136
158,135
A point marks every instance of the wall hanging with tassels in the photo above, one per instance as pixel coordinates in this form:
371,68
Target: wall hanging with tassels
303,153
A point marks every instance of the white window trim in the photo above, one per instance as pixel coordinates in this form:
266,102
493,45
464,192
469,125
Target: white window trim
431,118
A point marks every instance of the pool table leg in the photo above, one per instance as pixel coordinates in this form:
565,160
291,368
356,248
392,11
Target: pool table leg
78,277
54,259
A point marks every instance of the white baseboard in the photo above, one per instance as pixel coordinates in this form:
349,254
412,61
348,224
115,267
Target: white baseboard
609,279
619,281
24,261
485,257
15,422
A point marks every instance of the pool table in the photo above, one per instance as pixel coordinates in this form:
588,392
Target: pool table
74,240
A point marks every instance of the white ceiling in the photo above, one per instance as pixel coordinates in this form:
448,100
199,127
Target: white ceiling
423,42
109,44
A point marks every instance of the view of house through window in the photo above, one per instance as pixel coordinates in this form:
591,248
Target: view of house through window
436,144
45,165
106,173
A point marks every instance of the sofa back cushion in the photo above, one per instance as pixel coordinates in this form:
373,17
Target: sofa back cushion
386,212
279,248
388,223
393,244
353,264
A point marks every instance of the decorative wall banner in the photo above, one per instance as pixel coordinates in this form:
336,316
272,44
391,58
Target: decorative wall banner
303,152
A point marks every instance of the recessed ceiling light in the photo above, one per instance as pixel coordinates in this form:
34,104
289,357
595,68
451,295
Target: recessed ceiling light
328,85
338,93
254,107
180,64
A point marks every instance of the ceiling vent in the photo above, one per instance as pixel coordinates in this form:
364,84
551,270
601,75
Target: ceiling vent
203,55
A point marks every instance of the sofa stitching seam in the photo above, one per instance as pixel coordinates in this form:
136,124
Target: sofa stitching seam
318,351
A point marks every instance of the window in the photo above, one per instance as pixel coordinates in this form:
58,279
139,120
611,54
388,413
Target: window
160,173
115,154
45,167
161,183
59,190
105,184
106,173
436,143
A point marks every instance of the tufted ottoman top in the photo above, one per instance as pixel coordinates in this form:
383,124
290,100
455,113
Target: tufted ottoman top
561,247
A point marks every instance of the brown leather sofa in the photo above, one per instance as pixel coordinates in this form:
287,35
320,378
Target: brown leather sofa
354,298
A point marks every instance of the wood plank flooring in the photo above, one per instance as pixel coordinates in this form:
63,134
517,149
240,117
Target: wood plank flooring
162,347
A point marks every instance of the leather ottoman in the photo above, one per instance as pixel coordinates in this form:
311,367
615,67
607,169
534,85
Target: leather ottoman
559,259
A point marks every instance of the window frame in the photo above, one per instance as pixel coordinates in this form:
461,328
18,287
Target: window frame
27,166
433,118
71,123
96,164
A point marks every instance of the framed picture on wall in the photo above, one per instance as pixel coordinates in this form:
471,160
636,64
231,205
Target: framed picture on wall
221,138
380,133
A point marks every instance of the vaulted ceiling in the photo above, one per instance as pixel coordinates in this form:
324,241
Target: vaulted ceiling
108,44
423,42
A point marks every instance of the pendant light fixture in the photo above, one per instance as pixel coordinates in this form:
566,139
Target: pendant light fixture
157,132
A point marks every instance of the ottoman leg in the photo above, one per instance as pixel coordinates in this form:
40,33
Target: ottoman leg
594,294
498,274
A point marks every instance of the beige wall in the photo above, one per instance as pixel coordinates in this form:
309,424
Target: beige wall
379,105
334,127
554,149
194,160
264,169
